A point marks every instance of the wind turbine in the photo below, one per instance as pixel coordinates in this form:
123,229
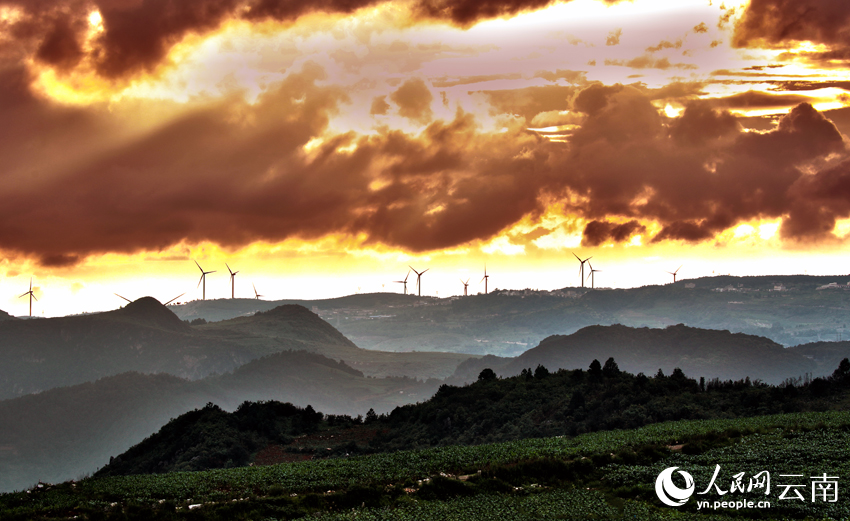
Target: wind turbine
31,296
172,300
484,278
418,277
404,281
582,267
203,279
592,278
167,303
465,285
674,273
256,295
232,280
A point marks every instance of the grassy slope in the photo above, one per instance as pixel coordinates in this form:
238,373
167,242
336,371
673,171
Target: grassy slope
619,467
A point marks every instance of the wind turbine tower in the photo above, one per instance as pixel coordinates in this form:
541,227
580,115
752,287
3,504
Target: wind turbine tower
485,278
232,280
418,280
592,278
674,273
581,269
203,279
31,296
404,281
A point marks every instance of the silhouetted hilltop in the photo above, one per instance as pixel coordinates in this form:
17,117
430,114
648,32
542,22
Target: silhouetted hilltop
288,320
150,312
698,352
144,336
6,316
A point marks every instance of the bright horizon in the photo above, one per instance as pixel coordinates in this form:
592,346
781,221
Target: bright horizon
321,152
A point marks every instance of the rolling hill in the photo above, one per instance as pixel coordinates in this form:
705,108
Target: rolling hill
697,352
144,336
66,432
788,309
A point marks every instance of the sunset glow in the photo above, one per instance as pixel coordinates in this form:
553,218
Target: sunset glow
322,152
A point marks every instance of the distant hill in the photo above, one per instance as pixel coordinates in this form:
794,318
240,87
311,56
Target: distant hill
788,309
63,433
826,355
145,336
698,352
6,316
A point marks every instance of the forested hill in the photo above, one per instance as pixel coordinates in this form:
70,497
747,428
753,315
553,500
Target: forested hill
698,352
534,404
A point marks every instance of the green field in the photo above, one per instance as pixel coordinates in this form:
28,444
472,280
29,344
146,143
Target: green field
604,475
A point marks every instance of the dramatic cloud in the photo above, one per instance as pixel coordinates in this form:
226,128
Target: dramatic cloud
819,200
358,147
414,101
137,36
600,232
778,23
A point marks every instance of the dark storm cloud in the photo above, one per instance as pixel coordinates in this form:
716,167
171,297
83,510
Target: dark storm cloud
234,173
781,22
600,232
698,175
138,34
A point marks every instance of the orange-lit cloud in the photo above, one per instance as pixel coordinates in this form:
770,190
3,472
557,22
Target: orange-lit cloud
431,131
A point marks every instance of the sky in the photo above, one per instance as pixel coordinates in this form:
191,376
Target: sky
322,148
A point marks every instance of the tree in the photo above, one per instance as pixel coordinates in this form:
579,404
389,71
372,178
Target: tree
843,371
486,375
595,370
371,416
610,369
542,372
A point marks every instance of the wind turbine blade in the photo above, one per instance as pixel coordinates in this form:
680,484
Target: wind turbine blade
172,300
33,296
213,271
230,270
423,273
577,257
125,298
587,259
27,293
408,274
677,269
200,280
199,266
